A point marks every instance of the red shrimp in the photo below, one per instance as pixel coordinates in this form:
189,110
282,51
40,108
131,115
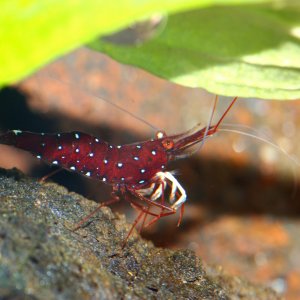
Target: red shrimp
136,171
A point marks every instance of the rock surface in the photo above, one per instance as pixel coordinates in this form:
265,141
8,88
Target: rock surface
42,258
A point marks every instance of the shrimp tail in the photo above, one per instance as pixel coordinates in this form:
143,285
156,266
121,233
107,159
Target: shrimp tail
24,140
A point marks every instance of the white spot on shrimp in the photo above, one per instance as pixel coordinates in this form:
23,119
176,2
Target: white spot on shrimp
153,152
143,171
139,146
91,154
58,135
16,132
97,140
136,158
110,146
105,161
63,157
39,156
122,178
104,179
77,136
78,161
88,173
55,162
73,168
160,135
77,150
120,165
43,144
142,181
119,146
59,147
163,166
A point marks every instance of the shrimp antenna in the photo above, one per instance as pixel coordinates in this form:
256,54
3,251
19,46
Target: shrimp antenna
105,100
209,122
268,142
261,139
211,115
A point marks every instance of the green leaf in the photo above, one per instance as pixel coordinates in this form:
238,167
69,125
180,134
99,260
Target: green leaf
34,32
247,50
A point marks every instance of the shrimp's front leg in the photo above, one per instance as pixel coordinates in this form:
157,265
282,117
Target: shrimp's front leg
176,189
157,189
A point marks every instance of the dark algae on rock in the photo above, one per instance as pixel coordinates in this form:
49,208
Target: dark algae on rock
41,257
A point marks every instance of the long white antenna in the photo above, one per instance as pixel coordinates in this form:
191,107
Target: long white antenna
264,140
103,99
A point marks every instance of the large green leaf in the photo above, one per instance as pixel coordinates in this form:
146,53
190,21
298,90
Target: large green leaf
247,50
33,32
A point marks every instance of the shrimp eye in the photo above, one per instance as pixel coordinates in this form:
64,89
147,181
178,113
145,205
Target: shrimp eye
168,144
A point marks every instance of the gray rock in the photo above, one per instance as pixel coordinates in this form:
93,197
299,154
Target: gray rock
41,257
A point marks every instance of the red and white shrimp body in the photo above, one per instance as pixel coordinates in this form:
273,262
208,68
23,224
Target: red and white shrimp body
138,168
132,165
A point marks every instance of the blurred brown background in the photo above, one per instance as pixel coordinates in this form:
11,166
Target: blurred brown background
243,211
